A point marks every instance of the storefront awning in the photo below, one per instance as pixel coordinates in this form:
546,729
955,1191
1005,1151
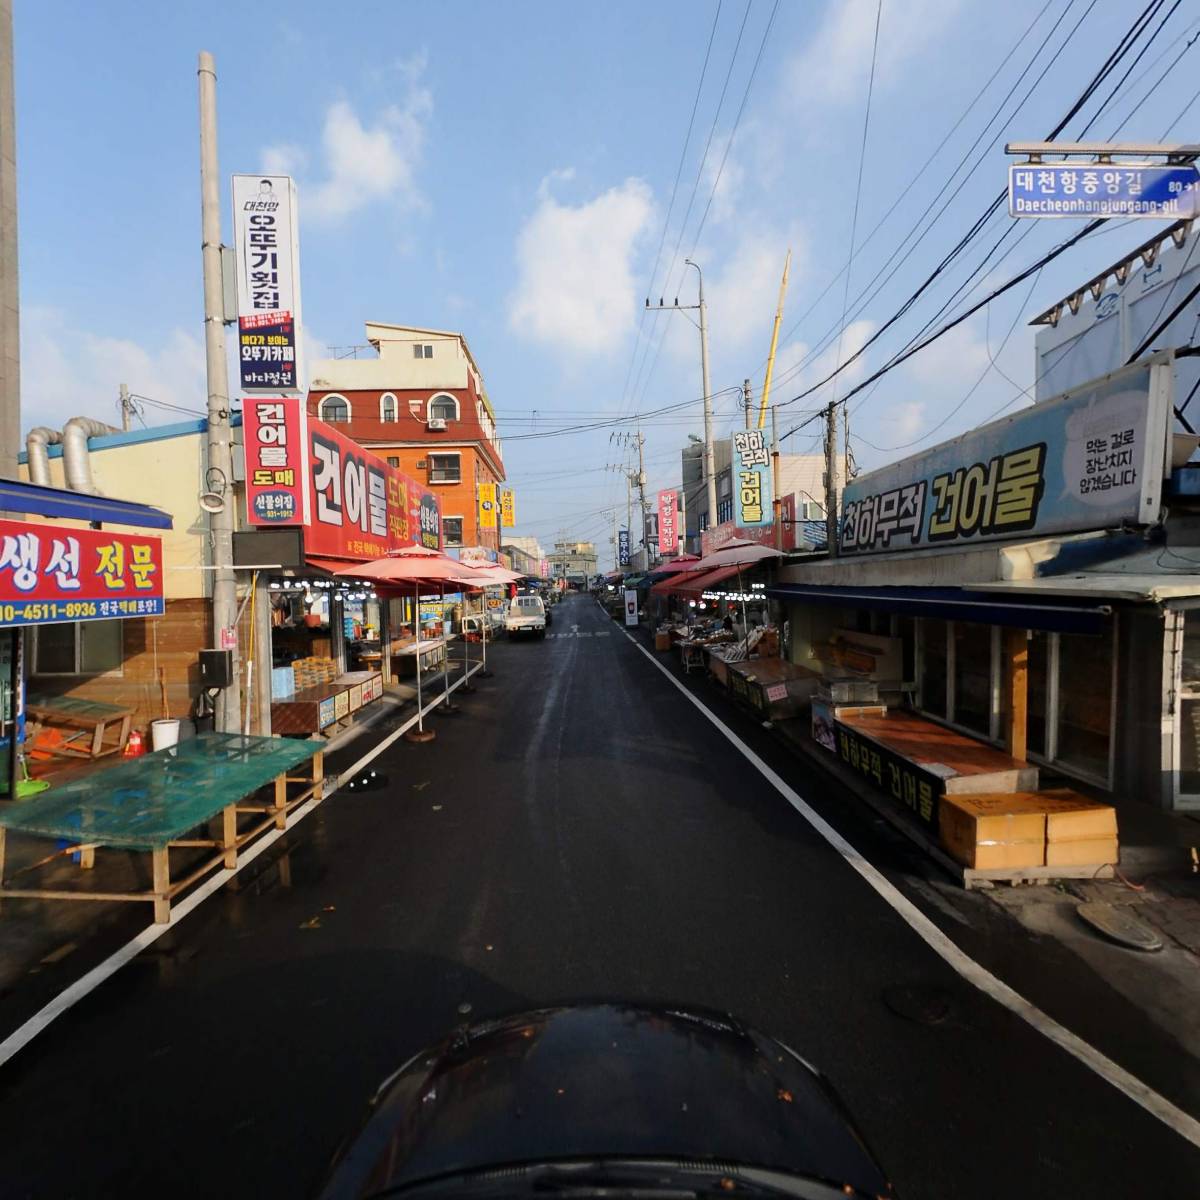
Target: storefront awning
693,585
18,497
956,604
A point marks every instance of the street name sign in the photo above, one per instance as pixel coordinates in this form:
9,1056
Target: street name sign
1071,189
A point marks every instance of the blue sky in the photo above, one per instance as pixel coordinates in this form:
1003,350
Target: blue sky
507,170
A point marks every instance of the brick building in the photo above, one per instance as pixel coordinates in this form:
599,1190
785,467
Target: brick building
419,401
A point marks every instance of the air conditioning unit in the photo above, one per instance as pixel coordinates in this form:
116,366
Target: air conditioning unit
436,423
421,465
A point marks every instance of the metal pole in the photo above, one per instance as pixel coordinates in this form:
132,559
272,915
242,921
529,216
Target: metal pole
746,400
710,478
263,660
776,499
448,709
10,309
420,734
831,480
219,475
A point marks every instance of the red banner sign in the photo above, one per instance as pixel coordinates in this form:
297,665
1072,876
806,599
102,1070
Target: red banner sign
668,522
53,573
351,503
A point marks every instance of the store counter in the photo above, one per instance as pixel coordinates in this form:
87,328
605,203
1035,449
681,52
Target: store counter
314,709
772,687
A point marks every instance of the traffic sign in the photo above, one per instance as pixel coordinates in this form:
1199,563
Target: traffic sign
1071,189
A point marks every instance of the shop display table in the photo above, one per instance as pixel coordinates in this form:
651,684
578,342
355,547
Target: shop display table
93,729
772,687
916,761
152,802
313,709
404,658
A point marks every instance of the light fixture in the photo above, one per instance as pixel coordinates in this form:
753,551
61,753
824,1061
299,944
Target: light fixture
212,499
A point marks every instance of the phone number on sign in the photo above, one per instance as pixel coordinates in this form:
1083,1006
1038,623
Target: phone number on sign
77,611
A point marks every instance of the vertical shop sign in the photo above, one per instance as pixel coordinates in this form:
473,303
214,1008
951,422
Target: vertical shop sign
268,282
751,478
430,519
622,547
508,508
668,522
275,454
487,505
631,606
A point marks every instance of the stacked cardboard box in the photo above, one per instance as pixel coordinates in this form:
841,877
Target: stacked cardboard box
1054,828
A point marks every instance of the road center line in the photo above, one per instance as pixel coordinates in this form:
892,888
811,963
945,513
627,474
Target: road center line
1157,1105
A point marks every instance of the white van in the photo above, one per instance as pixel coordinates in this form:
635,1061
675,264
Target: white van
526,614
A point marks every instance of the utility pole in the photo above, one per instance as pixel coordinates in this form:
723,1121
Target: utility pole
831,481
641,481
776,499
10,311
126,406
746,400
219,474
710,473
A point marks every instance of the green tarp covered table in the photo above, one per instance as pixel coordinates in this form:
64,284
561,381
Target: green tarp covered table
151,803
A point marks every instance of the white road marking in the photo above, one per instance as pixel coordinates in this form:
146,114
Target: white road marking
70,996
977,975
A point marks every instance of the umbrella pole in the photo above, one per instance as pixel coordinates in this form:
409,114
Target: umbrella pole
745,622
420,734
466,686
449,708
484,673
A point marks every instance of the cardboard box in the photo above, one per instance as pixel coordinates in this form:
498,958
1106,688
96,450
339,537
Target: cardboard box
1082,852
662,641
993,831
1073,817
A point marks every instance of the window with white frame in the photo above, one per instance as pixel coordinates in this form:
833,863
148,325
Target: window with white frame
452,531
443,407
387,407
724,511
445,468
78,648
334,409
422,350
1069,721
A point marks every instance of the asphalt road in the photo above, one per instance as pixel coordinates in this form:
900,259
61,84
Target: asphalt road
579,833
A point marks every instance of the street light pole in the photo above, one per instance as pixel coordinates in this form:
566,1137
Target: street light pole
710,474
220,452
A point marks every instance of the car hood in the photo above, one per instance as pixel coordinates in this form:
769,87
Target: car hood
604,1081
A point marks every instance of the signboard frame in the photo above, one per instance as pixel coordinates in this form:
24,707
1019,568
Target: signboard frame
1147,191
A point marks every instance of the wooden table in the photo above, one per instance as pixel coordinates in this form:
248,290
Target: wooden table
153,802
312,709
106,726
916,761
772,687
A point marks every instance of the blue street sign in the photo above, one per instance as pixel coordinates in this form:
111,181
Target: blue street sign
622,547
1065,189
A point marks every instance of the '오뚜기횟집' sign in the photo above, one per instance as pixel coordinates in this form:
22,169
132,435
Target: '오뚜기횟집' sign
1092,458
268,282
52,573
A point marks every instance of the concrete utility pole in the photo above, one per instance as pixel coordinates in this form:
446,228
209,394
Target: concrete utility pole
831,481
710,474
219,475
746,400
126,406
641,480
10,312
776,499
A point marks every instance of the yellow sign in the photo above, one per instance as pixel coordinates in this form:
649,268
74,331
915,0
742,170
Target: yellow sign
487,505
508,508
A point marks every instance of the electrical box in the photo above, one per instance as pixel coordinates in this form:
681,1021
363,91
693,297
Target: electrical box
216,669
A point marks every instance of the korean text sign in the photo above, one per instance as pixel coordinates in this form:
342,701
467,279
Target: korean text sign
274,431
1065,189
53,573
907,784
623,547
751,478
1092,458
487,506
268,282
668,522
351,503
508,508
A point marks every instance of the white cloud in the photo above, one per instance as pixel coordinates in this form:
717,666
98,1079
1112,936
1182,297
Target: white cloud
575,286
834,65
67,372
364,162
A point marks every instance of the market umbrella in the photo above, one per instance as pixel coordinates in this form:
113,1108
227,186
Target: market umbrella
489,574
421,568
738,554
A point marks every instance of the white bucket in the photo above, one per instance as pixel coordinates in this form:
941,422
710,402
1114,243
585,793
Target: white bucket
164,734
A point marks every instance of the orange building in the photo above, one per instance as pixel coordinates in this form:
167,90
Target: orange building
419,402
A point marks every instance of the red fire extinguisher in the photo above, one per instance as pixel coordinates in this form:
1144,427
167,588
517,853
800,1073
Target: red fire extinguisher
136,746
